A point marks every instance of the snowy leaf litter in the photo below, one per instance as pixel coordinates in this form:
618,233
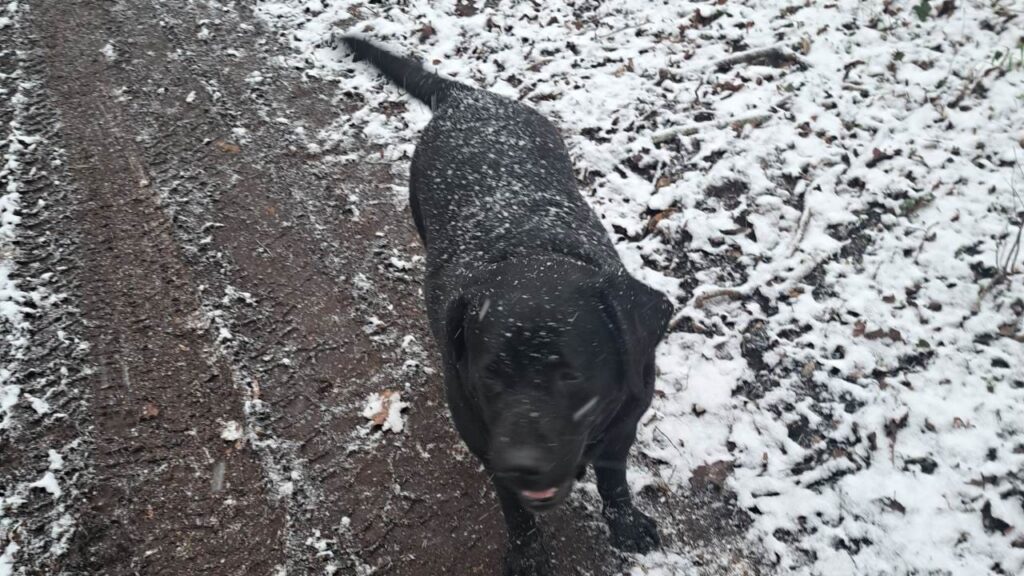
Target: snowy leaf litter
830,192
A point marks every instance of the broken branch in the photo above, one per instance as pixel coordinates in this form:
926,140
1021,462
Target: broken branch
738,123
775,56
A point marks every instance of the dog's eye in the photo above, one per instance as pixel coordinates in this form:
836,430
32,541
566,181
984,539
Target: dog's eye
569,376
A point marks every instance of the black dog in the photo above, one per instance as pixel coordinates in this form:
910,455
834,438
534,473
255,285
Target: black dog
548,343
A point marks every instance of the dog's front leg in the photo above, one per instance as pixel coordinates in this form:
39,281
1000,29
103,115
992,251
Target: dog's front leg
631,530
526,555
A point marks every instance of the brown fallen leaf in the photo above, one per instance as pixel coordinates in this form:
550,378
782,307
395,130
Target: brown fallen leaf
536,66
892,334
466,8
227,147
388,399
878,156
859,327
427,32
728,86
699,20
652,224
150,410
947,8
894,425
385,403
1008,329
714,474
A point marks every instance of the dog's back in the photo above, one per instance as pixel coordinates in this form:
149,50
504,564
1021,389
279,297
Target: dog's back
503,168
500,167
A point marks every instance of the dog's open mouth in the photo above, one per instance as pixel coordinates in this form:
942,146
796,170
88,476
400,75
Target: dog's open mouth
540,495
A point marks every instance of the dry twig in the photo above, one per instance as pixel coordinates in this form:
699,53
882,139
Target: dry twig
774,56
670,133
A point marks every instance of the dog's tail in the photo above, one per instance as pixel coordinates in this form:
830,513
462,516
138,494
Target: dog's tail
407,73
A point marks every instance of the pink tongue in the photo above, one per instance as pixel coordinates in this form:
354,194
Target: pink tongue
540,494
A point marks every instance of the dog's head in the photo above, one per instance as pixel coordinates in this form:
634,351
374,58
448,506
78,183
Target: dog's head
548,358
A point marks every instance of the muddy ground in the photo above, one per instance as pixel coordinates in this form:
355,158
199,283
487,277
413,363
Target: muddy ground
216,275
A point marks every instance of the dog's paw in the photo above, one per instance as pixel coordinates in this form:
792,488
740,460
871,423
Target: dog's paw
528,559
631,529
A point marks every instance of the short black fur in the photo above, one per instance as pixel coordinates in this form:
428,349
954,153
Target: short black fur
547,342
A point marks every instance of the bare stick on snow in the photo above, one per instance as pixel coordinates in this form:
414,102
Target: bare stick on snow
801,229
728,293
827,178
775,56
689,130
700,300
737,122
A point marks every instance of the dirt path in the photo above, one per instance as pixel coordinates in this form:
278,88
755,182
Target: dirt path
222,273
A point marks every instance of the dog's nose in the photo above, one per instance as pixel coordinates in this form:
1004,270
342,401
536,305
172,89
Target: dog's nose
522,461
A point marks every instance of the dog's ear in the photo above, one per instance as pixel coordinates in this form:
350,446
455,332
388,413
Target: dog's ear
639,316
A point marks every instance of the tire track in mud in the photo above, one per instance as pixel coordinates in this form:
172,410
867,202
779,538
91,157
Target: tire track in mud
45,430
168,494
228,270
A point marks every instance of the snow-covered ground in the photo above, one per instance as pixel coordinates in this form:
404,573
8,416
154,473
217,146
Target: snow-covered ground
831,192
